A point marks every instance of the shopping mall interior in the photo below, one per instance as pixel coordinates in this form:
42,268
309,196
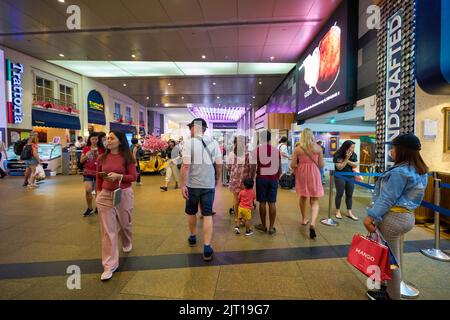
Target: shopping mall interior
366,71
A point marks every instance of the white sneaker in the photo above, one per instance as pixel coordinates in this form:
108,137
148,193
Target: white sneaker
93,192
107,274
127,249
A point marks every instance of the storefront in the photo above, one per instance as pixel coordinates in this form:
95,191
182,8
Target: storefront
96,112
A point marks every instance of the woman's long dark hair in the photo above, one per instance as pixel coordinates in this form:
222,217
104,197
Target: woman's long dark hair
411,157
99,142
341,153
124,148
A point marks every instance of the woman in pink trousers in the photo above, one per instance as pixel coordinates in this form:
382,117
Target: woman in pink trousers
116,169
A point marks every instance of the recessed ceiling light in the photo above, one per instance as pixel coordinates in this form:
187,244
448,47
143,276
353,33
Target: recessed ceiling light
218,97
124,84
156,104
166,105
62,1
61,55
182,98
254,97
260,83
272,58
214,83
133,56
148,98
203,57
169,84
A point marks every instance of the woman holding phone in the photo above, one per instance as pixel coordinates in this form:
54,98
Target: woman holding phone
116,169
88,159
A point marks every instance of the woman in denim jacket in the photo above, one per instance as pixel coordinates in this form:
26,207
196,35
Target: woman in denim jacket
397,194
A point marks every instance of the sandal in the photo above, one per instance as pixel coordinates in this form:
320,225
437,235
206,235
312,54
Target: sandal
353,218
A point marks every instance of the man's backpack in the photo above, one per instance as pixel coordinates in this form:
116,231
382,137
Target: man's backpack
19,145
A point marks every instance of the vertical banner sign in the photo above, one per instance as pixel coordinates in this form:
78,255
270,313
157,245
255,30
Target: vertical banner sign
14,72
393,81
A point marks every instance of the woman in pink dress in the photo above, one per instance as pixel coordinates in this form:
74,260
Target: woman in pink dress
307,162
238,164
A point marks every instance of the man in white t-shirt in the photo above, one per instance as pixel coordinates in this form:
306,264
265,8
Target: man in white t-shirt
200,173
285,157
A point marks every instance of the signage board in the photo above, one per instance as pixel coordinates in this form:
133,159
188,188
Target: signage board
14,73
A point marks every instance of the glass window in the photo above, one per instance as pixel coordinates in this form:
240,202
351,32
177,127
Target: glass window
116,110
128,114
44,89
65,95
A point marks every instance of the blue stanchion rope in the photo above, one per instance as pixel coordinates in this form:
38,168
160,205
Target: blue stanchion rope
442,211
341,175
445,185
362,174
365,185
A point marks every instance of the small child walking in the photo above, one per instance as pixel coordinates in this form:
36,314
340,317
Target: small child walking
246,200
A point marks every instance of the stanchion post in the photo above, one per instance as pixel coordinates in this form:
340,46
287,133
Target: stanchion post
329,221
407,290
436,253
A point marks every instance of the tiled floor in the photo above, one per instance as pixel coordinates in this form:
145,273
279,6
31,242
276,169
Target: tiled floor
42,232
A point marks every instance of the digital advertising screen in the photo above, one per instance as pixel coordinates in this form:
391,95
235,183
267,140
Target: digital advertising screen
327,69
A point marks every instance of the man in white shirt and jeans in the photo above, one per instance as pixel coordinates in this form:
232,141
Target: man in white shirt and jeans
200,173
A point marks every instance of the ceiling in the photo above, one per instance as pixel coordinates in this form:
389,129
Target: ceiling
235,31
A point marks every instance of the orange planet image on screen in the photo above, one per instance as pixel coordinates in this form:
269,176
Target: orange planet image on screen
330,59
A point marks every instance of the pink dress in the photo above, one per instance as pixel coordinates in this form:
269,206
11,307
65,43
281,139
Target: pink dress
308,181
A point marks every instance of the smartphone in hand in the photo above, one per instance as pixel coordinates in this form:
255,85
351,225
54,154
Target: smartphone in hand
102,175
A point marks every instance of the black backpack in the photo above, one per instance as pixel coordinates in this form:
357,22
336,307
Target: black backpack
287,181
27,152
18,146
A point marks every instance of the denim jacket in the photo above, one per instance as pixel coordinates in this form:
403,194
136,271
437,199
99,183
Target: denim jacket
399,186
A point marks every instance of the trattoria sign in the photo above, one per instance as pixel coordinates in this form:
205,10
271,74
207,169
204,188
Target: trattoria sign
14,72
393,81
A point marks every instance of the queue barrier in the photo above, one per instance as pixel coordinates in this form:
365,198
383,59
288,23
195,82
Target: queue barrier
408,291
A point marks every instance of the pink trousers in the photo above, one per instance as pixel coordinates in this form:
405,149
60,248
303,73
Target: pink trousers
115,222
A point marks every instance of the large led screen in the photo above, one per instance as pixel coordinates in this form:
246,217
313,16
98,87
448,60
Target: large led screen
327,69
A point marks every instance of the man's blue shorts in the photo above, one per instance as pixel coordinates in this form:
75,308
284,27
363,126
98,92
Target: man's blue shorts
266,190
204,197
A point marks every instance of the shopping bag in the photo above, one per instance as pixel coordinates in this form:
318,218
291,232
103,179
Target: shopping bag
40,173
366,253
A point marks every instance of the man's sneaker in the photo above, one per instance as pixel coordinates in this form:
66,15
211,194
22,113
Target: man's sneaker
237,230
192,240
261,228
127,249
163,188
25,184
207,253
249,232
378,295
88,212
272,231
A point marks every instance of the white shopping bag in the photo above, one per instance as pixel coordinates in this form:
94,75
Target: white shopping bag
40,173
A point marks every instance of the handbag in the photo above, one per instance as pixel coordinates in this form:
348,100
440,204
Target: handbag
117,194
365,253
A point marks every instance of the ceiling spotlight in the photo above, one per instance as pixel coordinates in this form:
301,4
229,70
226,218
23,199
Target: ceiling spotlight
62,1
148,98
254,97
214,83
203,57
156,104
124,84
166,105
182,98
133,56
260,83
218,97
61,55
169,84
272,58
